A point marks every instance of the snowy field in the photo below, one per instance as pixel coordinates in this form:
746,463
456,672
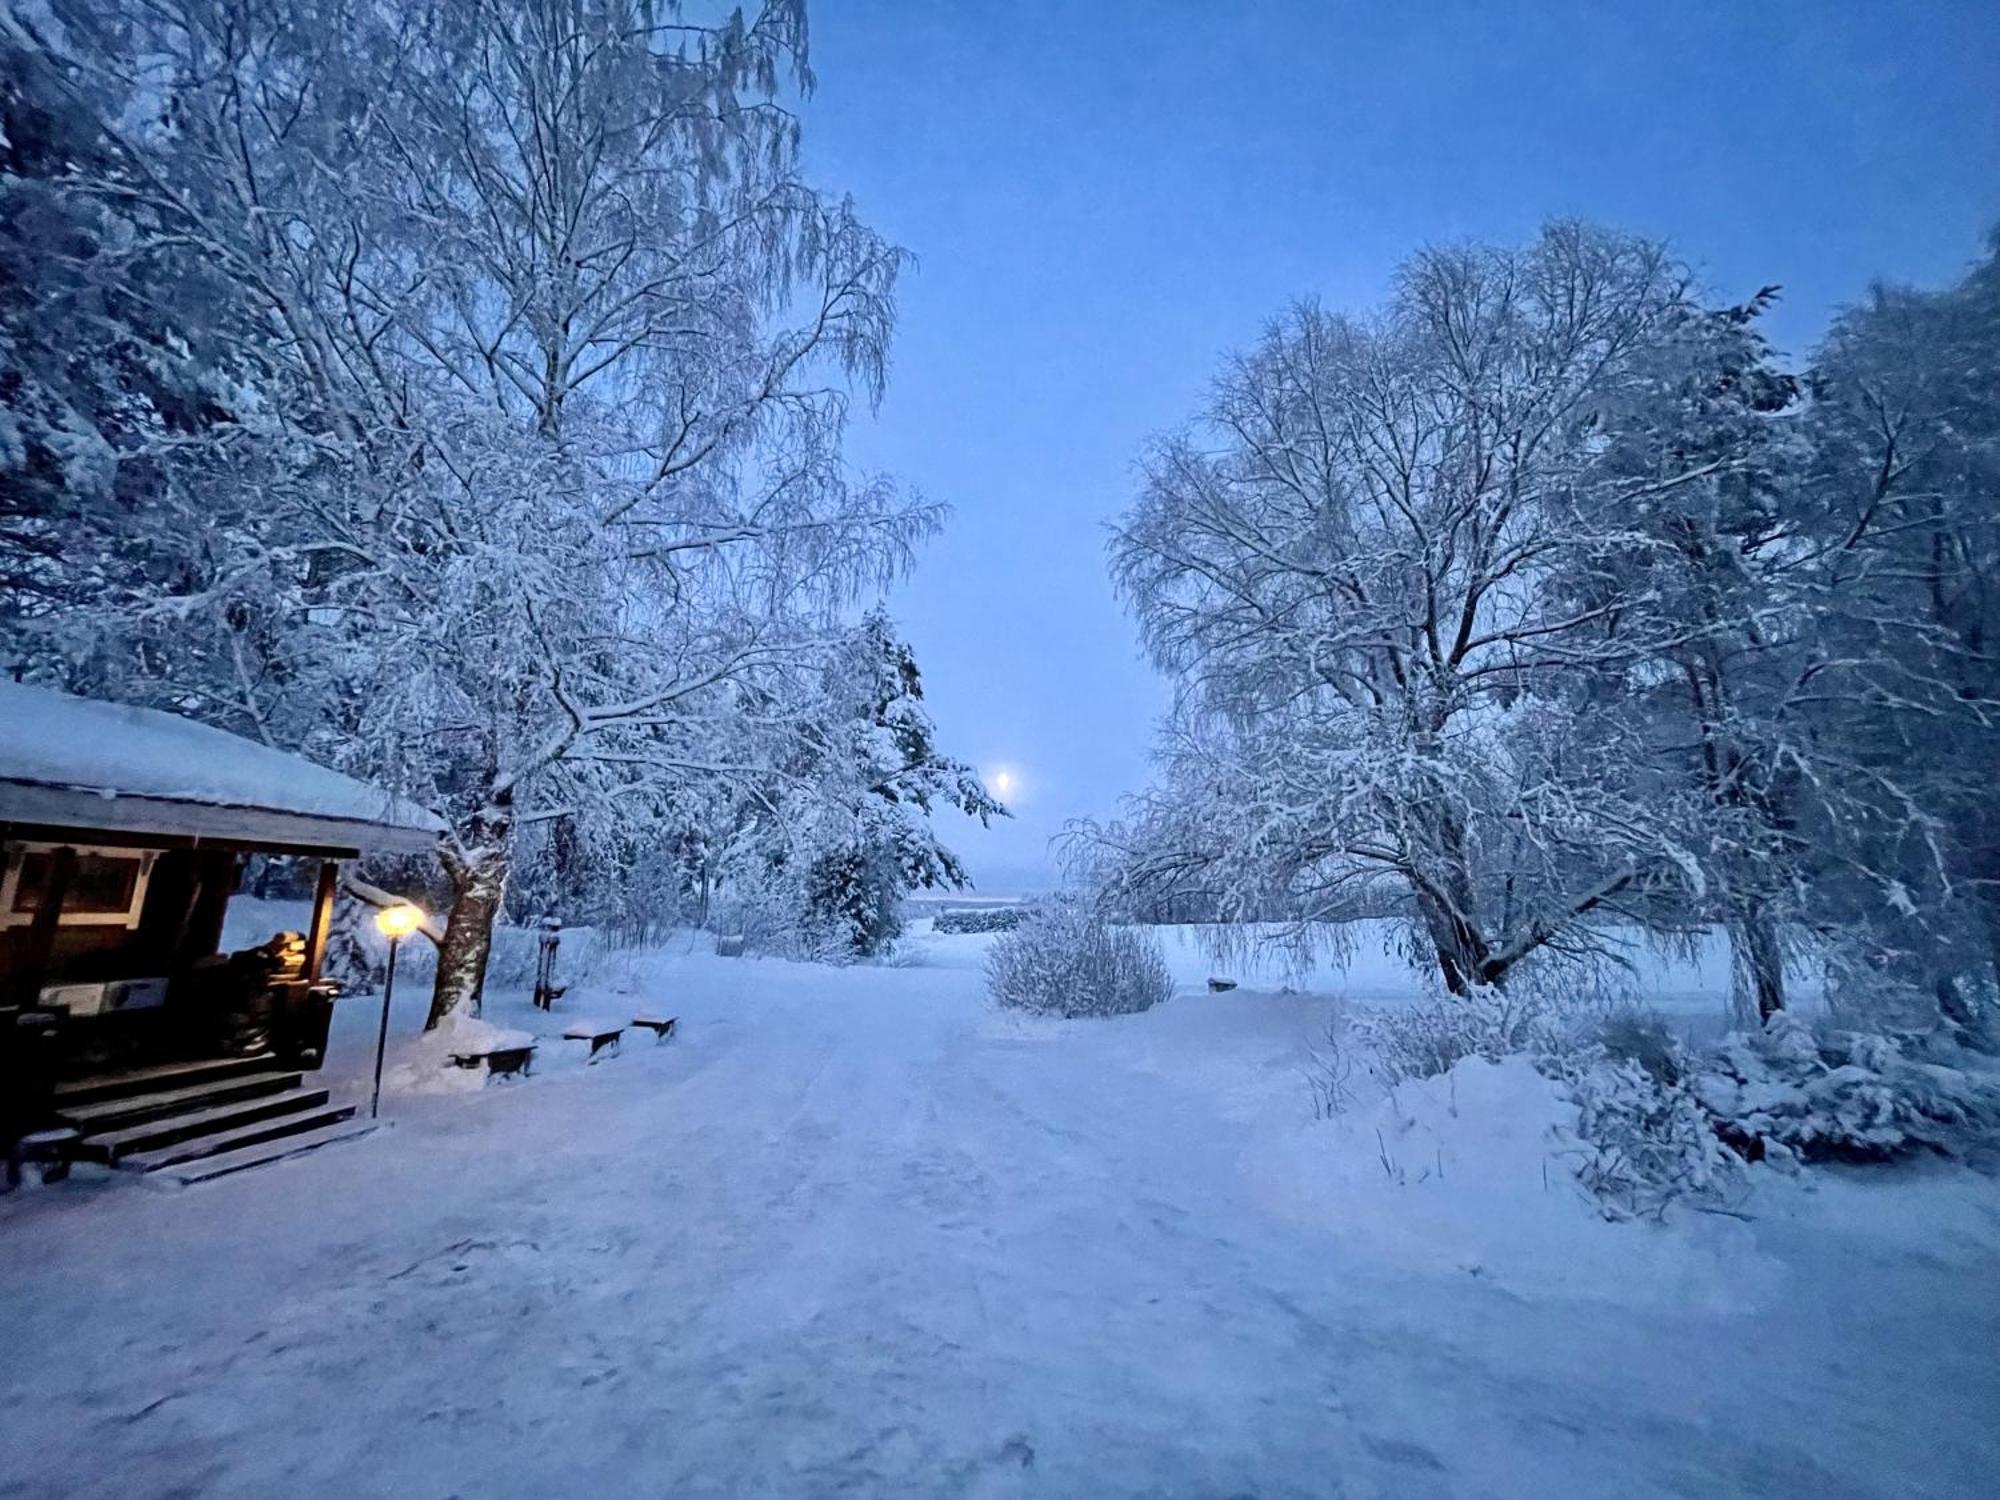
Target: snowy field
856,1233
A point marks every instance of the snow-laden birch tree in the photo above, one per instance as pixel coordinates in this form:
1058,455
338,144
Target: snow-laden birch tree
1902,502
1697,560
541,505
1352,563
1816,607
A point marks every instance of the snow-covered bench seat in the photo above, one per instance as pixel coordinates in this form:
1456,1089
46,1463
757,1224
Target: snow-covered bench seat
505,1061
662,1027
601,1036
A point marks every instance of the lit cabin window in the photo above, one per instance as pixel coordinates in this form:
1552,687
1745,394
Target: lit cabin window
106,887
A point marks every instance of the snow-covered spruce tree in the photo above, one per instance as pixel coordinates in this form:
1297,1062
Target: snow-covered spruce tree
547,503
846,832
1348,565
116,341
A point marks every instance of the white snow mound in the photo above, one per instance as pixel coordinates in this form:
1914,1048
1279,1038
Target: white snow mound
425,1065
1467,1172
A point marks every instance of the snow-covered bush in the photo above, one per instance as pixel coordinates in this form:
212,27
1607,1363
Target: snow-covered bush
1429,1038
1656,1123
1790,1092
978,919
1064,959
1641,1038
1643,1139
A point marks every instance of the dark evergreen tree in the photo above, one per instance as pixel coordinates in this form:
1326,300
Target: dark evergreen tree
880,777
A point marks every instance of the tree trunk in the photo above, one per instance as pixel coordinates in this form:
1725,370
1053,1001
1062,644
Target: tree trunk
1461,952
1444,899
1986,894
478,869
1760,963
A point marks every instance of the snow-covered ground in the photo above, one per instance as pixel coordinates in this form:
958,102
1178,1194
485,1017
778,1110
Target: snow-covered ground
854,1232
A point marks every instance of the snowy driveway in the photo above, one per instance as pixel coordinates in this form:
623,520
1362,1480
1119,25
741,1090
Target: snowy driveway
852,1235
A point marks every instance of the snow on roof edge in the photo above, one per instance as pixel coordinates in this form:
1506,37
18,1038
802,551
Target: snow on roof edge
54,739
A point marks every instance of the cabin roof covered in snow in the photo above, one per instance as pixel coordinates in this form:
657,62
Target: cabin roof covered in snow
71,762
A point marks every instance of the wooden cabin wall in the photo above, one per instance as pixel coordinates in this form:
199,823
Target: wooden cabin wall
180,921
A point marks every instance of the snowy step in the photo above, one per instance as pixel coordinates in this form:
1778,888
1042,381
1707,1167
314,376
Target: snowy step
163,1076
114,1145
205,1168
132,1109
251,1133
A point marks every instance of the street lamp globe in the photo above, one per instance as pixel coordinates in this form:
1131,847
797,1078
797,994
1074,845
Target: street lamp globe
399,921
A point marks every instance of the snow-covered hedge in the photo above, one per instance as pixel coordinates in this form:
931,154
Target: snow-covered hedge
978,919
1065,960
1791,1092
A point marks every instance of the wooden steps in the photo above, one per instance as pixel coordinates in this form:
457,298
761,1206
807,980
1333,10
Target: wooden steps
133,1109
253,1132
164,1076
113,1146
193,1121
257,1153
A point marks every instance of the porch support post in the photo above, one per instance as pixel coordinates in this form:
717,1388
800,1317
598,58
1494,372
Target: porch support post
41,935
322,918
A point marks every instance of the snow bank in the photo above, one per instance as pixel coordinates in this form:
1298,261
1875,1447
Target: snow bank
423,1065
861,1233
1468,1173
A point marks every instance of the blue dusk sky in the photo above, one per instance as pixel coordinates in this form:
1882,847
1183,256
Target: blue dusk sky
1104,198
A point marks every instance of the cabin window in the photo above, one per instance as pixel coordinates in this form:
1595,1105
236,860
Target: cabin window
107,887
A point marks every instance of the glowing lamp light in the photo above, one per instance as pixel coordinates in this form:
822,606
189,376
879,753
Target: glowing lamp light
396,923
399,921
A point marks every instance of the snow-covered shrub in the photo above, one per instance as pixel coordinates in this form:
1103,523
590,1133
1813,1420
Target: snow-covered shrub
1429,1038
1330,1066
1064,959
1641,1038
1643,1139
1790,1092
978,919
1657,1123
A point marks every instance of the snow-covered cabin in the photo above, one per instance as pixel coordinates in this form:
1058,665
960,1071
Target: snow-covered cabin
123,833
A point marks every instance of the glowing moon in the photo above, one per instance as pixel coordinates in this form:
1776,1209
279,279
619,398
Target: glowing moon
1003,781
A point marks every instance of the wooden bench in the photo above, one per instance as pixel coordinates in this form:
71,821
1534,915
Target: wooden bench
501,1062
662,1027
601,1038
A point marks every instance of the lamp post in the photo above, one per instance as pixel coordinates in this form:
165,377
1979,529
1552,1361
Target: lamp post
396,923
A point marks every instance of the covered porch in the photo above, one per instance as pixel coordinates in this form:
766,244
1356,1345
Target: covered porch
124,1029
